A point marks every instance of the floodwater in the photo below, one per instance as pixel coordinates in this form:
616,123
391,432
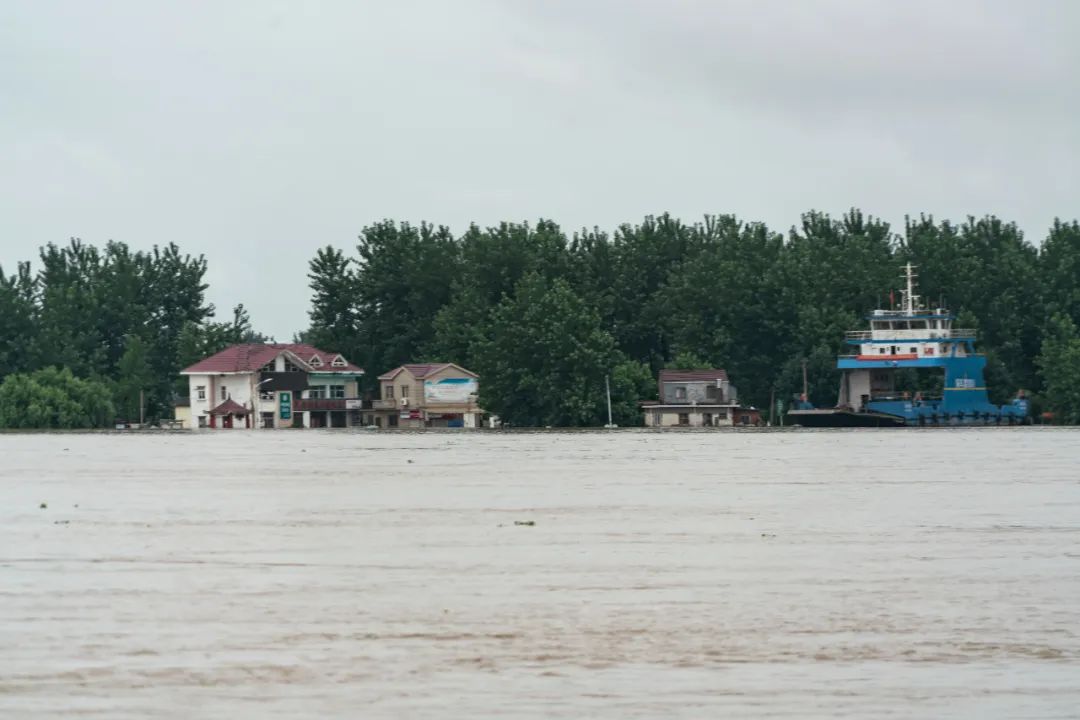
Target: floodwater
316,574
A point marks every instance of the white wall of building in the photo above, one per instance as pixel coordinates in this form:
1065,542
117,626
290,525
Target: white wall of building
217,388
669,417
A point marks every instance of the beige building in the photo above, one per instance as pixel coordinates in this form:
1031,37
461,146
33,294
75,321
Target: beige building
697,398
420,395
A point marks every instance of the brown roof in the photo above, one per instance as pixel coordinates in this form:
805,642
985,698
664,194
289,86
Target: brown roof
421,370
230,407
711,375
253,356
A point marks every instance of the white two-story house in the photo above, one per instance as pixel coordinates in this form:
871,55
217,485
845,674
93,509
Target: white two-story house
273,385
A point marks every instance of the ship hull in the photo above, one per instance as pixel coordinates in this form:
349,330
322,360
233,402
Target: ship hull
838,418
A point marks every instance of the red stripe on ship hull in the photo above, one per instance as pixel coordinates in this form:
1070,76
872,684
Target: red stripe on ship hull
886,357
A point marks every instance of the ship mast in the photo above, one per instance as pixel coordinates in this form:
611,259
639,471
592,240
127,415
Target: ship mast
910,298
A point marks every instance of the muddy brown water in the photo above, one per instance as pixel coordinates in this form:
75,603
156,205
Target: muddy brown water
880,573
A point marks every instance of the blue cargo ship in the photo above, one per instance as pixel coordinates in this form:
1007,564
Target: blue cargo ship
911,337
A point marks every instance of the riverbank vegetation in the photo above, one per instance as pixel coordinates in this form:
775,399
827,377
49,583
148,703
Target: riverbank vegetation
544,315
125,322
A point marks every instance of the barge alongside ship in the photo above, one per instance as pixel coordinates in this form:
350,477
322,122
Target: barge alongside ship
918,338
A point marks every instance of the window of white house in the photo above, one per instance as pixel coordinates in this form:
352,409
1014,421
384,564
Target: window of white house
317,392
315,361
337,391
200,392
268,367
266,395
202,421
338,361
290,367
680,393
224,393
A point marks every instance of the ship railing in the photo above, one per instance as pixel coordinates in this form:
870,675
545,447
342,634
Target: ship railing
953,334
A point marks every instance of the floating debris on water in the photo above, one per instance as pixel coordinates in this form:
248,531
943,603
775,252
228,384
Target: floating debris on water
527,523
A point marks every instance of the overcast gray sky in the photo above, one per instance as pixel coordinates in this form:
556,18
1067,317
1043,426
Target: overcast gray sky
255,132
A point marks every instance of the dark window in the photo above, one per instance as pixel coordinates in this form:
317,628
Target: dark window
710,392
404,391
680,392
317,392
224,393
200,391
914,350
392,421
684,418
268,419
388,392
289,367
337,391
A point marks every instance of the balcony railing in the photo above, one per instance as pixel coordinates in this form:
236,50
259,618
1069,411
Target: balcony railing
331,404
953,334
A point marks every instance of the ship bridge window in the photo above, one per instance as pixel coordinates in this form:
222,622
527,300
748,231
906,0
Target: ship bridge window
879,325
918,324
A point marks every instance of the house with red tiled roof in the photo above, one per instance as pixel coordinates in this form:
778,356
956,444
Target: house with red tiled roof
697,398
418,395
271,385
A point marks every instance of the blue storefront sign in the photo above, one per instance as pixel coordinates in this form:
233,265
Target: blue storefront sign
286,405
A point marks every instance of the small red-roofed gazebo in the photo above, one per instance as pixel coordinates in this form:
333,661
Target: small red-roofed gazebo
227,411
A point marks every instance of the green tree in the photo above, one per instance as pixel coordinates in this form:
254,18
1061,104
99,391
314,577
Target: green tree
1059,366
134,377
492,262
1059,268
631,382
18,320
546,358
333,283
54,398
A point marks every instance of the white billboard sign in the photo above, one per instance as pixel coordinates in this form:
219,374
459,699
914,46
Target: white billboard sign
451,390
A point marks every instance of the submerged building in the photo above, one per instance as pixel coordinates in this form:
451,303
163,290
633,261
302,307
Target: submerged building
272,385
697,398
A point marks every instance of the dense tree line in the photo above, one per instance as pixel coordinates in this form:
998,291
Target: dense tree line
121,325
544,316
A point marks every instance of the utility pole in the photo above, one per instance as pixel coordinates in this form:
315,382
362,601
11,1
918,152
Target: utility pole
607,389
142,408
805,394
772,407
